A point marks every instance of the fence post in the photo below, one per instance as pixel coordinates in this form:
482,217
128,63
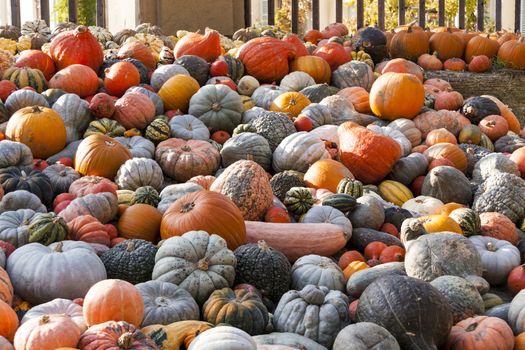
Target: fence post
461,14
481,15
401,12
101,13
441,13
44,10
517,15
315,14
15,13
295,16
381,14
72,10
339,11
247,13
422,19
271,12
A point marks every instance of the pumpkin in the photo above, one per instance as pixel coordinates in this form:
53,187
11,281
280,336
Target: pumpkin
188,127
6,288
291,103
77,46
481,45
359,98
447,45
138,172
139,146
21,199
31,126
102,206
298,200
158,130
204,258
90,185
204,181
57,306
450,152
247,146
76,79
476,108
406,169
479,64
439,223
177,334
480,332
34,181
400,65
409,44
333,53
105,126
119,77
506,113
365,335
375,305
368,156
258,52
24,98
215,338
206,46
515,279
14,226
165,72
494,126
423,205
467,219
47,332
75,113
326,173
26,76
247,185
317,270
274,127
498,226
80,265
396,95
47,228
354,73
197,67
408,128
9,323
140,221
285,341
296,81
506,144
448,185
113,334
182,160
177,91
397,135
139,51
88,229
134,110
100,155
455,64
217,106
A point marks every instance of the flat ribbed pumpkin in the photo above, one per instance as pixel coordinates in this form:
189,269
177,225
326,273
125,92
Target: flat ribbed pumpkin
326,173
247,185
395,192
208,211
368,155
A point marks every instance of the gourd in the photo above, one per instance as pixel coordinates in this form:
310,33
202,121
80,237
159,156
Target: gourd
298,151
247,146
166,303
328,307
202,257
406,169
361,237
75,113
298,200
264,267
80,266
188,127
365,335
138,172
139,146
386,302
47,228
274,127
493,163
219,337
448,185
341,201
318,271
360,280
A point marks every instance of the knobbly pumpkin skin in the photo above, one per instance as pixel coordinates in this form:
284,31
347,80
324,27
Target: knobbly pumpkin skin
480,332
208,211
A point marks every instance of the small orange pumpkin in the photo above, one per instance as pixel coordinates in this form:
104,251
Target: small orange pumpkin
450,100
47,332
353,267
449,151
373,250
400,65
440,136
480,332
140,221
358,96
439,223
8,321
393,253
348,257
314,66
494,126
326,173
455,64
277,214
120,77
518,157
76,79
291,103
498,226
138,50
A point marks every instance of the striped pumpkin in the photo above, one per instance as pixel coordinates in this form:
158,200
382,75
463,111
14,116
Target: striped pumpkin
158,130
340,201
235,67
468,220
26,76
351,187
353,267
394,192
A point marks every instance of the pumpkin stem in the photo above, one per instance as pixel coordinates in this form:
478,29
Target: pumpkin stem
109,143
471,327
186,148
125,340
203,264
491,247
187,207
44,319
130,247
215,107
36,109
81,29
263,245
58,248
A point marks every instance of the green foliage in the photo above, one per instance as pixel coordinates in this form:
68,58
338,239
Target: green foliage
411,13
86,11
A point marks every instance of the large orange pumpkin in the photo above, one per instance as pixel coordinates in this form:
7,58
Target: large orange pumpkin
76,79
38,60
481,45
409,44
266,58
140,221
139,51
8,321
6,288
77,46
47,332
100,155
40,128
315,66
177,91
368,156
512,53
449,151
359,97
480,332
326,173
208,211
397,95
113,300
291,103
447,45
207,46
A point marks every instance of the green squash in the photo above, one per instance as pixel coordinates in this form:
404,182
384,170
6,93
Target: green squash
105,126
235,67
47,228
341,201
468,220
146,195
298,200
25,178
282,182
158,130
349,186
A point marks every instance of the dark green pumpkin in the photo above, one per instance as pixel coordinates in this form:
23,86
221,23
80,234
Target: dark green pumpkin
47,228
4,113
263,267
298,200
235,67
468,220
158,130
274,127
317,92
52,95
341,201
238,308
25,178
373,41
349,186
477,107
283,181
108,62
196,66
521,248
131,260
509,143
396,216
146,195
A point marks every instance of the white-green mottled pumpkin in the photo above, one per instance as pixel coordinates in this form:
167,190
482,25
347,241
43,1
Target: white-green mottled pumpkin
319,271
188,127
164,72
14,226
222,338
298,151
75,113
247,145
296,81
319,114
21,199
14,154
140,147
138,172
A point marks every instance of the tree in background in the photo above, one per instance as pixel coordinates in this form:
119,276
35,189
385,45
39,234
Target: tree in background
411,13
86,11
283,15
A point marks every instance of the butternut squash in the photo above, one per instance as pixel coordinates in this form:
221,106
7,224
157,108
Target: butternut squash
296,240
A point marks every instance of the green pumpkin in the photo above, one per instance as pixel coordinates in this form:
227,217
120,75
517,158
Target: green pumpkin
490,300
468,220
282,182
25,76
298,200
146,195
351,187
235,67
243,128
341,201
47,228
158,130
105,126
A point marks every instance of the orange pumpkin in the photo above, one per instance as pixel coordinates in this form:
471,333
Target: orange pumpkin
40,128
47,332
479,64
87,228
266,58
353,267
6,288
519,341
177,91
333,53
134,110
429,62
447,45
348,257
466,36
76,79
392,254
400,65
518,157
203,180
506,112
139,51
120,77
8,321
291,103
358,96
300,49
481,45
113,300
498,226
449,151
451,120
313,36
77,46
494,126
140,221
277,214
373,250
207,46
455,64
512,53
516,279
208,211
439,223
38,60
100,155
368,156
397,95
409,44
439,136
326,173
314,66
480,332
448,208
450,100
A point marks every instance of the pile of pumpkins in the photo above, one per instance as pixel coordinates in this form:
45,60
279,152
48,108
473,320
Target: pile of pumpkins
196,192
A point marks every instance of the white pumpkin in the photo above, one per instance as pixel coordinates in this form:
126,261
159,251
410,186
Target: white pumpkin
222,338
423,205
163,73
188,127
404,143
75,113
247,85
140,147
296,81
298,151
330,215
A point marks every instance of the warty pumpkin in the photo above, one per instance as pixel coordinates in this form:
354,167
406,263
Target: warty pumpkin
100,155
40,128
368,156
206,46
77,46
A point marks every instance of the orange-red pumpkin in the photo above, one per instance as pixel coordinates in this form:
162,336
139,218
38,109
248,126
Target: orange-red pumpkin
120,77
512,53
77,46
518,157
429,62
333,53
479,64
516,279
38,60
481,45
455,64
300,49
450,100
348,257
138,50
449,151
277,214
498,226
447,45
77,79
134,110
207,46
400,65
358,96
315,66
506,112
494,126
88,229
480,332
8,321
